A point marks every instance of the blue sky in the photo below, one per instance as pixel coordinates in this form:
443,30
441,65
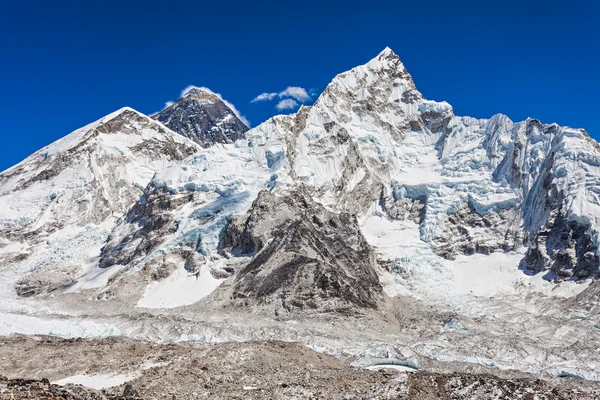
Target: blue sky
65,64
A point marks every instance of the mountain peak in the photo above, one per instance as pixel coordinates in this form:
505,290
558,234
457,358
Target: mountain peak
121,112
387,59
204,117
116,113
384,78
201,94
387,52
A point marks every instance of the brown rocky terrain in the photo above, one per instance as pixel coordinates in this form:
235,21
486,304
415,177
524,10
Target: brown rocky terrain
243,370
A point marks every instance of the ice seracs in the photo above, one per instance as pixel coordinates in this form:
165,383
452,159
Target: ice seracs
178,220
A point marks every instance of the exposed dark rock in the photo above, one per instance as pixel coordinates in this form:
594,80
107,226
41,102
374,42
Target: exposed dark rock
557,243
306,257
151,220
565,248
468,232
404,208
204,118
436,121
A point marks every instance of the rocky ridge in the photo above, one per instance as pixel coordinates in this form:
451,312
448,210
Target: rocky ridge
58,205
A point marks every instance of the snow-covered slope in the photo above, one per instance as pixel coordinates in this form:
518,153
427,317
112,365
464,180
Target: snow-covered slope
57,205
372,146
204,117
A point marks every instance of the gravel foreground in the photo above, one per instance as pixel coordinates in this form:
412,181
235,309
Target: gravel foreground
242,370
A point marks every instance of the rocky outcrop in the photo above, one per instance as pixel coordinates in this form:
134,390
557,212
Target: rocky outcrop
467,231
137,239
305,257
561,238
565,248
46,280
404,208
203,117
149,221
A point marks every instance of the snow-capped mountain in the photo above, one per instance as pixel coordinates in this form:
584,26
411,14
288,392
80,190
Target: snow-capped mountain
374,202
57,205
374,147
202,116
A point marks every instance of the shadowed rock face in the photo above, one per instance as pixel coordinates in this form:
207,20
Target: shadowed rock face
152,218
468,232
204,118
565,248
561,245
305,256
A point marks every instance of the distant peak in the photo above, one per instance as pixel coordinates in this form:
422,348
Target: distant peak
386,59
195,91
387,52
120,112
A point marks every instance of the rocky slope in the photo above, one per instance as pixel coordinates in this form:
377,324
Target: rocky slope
202,116
248,370
303,256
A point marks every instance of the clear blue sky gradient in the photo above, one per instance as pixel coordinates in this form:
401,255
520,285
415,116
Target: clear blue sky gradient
65,64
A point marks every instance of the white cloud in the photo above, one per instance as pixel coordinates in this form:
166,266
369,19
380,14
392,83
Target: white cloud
169,104
295,92
228,104
263,97
286,104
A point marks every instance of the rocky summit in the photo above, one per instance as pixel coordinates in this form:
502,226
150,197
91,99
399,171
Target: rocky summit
203,116
372,245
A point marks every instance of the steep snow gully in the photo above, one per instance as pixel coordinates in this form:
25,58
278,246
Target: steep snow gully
422,235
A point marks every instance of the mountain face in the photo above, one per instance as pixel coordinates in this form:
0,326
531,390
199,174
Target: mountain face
373,146
203,117
58,204
375,204
303,256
